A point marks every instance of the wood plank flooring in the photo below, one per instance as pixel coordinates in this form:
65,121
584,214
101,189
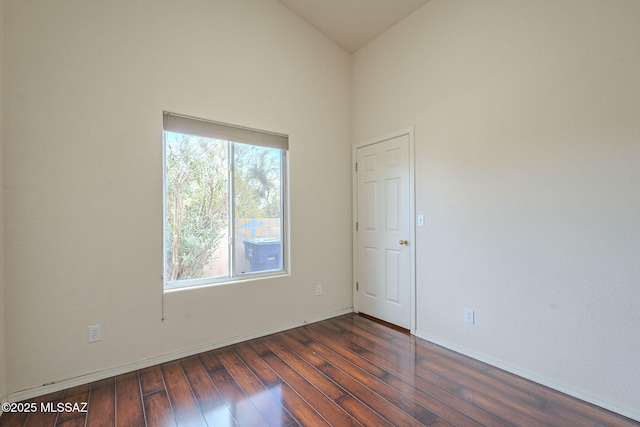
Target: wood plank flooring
346,371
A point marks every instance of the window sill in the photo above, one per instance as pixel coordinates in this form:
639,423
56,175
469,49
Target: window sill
212,282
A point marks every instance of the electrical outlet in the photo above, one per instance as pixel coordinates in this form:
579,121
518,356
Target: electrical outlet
469,316
318,290
94,333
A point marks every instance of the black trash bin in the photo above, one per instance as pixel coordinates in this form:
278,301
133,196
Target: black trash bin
263,253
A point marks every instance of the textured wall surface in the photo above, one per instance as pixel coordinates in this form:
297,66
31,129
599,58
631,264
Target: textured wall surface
527,130
85,87
3,381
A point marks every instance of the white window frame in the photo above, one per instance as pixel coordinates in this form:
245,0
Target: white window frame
188,125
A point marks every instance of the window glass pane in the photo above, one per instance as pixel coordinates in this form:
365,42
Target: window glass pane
257,208
197,208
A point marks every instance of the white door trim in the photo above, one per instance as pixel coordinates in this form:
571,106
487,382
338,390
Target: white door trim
412,226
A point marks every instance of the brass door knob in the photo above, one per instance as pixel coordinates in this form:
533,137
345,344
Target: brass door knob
404,242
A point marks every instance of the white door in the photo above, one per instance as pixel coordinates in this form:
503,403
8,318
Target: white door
384,231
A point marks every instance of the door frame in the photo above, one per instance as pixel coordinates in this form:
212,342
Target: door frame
412,223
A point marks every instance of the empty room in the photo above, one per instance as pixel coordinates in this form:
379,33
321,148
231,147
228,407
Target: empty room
314,212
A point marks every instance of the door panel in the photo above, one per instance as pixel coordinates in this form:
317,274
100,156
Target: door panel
370,211
383,205
392,266
370,273
392,205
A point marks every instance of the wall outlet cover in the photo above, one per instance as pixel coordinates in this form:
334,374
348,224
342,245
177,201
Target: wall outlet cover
94,333
469,316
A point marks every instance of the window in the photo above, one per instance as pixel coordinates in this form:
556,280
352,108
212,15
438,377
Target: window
224,198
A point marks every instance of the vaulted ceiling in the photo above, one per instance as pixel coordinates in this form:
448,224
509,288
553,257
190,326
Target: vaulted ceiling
353,23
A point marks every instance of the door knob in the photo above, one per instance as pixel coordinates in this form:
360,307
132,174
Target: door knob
404,242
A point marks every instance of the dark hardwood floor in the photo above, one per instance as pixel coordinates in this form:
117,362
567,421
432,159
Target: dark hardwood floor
346,371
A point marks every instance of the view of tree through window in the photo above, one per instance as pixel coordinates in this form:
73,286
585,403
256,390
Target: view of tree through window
197,197
223,209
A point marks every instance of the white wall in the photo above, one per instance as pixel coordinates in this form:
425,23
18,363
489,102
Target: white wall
85,87
3,380
527,127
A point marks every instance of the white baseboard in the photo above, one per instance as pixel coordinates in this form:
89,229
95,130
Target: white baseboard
108,373
532,377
